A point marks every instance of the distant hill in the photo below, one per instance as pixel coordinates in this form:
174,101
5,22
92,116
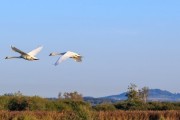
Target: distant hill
95,101
163,95
154,95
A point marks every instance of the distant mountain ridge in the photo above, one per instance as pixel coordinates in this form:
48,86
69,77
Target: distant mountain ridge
154,95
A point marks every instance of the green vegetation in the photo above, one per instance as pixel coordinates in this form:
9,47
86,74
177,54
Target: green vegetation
101,115
71,106
137,100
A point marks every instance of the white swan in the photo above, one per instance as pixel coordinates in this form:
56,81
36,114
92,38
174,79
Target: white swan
66,55
27,56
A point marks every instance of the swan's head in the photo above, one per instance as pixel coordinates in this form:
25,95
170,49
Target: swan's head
53,54
7,57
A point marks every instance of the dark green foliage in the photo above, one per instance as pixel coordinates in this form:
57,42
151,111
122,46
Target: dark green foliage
132,93
96,101
135,96
138,105
104,107
131,105
81,109
18,104
163,106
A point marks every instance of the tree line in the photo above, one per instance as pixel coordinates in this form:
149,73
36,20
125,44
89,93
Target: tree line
71,105
69,101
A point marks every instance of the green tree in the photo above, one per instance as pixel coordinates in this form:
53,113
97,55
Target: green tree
143,94
132,93
73,96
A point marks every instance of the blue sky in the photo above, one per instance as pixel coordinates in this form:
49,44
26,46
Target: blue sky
122,42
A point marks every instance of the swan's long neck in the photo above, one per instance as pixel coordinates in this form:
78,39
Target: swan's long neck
62,53
13,57
55,54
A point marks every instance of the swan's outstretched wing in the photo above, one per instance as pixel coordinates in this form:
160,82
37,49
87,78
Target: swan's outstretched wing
67,55
62,58
17,50
35,51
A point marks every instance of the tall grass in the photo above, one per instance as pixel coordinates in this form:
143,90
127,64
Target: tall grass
101,115
137,115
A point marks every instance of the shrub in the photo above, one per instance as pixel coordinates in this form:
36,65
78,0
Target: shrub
104,107
82,109
131,105
18,104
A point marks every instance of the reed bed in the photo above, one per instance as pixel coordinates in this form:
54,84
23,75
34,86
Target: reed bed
101,115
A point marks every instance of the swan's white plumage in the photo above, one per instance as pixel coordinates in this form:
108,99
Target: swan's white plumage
35,51
66,55
27,56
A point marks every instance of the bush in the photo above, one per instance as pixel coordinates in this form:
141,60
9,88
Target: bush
4,101
82,109
21,103
131,105
18,104
104,107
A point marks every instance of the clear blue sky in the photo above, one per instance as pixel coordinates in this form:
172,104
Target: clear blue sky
122,41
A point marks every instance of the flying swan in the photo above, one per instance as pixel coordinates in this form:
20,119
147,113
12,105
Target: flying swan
27,56
66,55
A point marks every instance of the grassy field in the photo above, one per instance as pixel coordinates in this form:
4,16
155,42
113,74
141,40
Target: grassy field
19,107
106,115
